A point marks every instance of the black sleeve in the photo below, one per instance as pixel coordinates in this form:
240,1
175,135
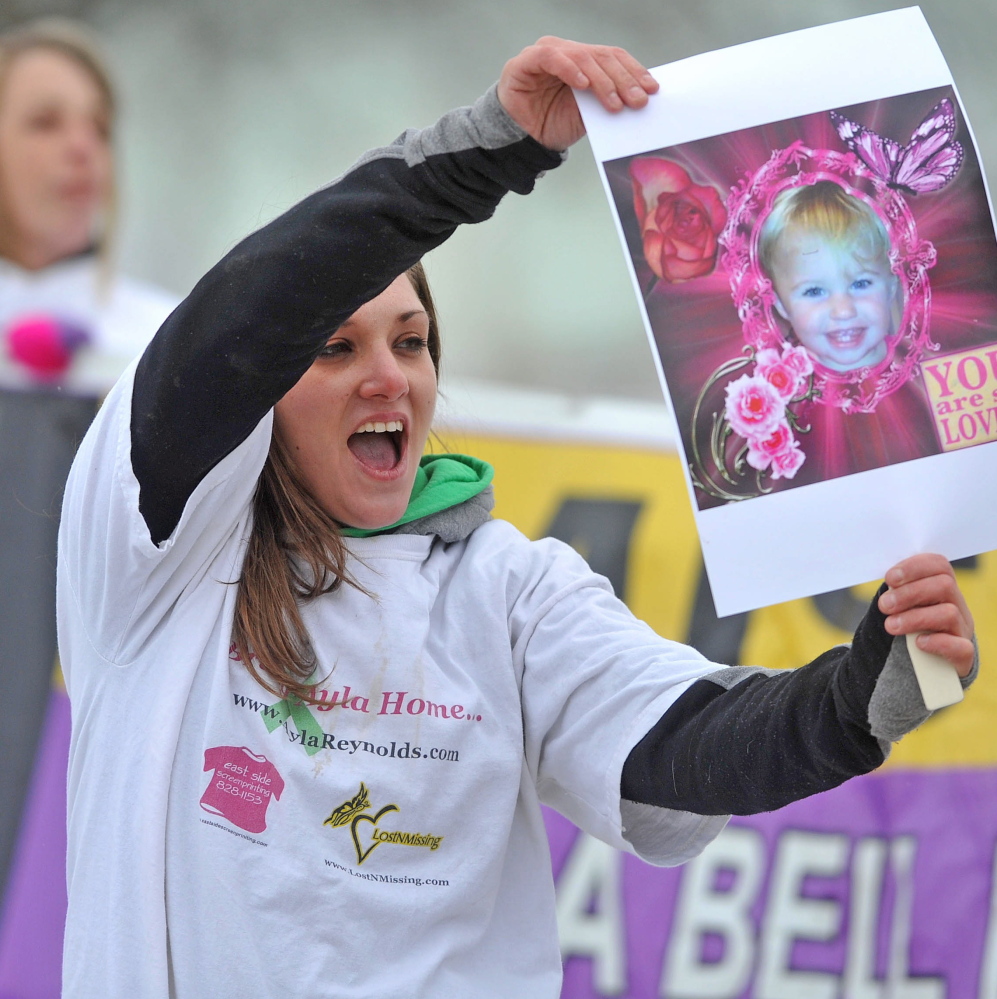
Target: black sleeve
732,745
255,322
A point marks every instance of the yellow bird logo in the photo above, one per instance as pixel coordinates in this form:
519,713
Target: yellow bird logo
346,812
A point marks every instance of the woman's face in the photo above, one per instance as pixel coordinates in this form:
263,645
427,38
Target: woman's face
357,421
55,157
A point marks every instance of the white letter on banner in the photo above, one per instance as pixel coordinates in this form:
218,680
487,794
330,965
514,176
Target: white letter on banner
701,909
868,864
789,916
901,985
988,972
592,871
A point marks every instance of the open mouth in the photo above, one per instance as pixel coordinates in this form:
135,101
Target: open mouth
846,338
378,446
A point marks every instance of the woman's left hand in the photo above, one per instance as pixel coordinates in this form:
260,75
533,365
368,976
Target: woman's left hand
535,86
924,596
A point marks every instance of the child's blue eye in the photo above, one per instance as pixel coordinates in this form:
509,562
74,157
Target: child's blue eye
814,291
861,284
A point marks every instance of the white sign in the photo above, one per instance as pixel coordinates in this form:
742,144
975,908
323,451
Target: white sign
812,244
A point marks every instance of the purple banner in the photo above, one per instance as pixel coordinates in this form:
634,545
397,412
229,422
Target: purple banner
880,889
34,908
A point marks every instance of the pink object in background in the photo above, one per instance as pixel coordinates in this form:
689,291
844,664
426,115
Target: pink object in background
44,344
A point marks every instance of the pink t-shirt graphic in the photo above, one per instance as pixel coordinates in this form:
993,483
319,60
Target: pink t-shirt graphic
241,786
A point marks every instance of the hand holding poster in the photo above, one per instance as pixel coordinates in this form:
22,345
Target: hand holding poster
815,259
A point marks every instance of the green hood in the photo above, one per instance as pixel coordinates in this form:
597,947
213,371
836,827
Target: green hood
441,481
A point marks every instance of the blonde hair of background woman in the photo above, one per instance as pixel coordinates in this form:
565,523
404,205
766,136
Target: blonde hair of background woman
78,43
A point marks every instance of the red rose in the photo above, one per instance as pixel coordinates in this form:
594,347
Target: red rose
679,220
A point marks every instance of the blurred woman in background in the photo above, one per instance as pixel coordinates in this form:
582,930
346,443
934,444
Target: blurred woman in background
68,328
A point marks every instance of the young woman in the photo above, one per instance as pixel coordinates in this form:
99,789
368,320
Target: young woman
319,695
68,328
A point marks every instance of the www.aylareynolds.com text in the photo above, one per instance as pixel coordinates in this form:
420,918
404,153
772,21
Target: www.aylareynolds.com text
326,740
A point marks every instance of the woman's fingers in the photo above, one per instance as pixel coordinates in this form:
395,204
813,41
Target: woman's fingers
923,581
941,588
960,652
935,617
925,597
918,567
535,86
615,77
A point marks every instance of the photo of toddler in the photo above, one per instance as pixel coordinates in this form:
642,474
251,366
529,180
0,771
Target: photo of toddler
827,255
802,278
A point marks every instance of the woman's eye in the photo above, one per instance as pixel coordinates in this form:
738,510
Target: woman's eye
335,348
413,344
45,122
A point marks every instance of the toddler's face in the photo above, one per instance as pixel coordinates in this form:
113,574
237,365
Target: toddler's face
842,306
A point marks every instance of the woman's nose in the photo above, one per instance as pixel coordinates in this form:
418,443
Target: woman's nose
383,376
83,139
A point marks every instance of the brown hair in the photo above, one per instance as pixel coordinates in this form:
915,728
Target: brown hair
295,553
829,210
79,44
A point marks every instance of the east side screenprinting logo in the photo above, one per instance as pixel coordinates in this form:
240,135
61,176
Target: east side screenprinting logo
357,811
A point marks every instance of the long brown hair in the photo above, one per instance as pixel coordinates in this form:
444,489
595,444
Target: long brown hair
295,553
78,44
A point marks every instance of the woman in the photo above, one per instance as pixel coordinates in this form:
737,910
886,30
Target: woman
67,330
319,694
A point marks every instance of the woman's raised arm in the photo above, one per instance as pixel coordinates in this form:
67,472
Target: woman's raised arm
254,323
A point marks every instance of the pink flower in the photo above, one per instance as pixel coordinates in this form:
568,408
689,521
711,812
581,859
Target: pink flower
753,407
799,359
787,463
779,451
787,373
761,450
679,220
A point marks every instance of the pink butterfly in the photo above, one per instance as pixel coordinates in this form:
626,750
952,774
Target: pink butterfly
927,163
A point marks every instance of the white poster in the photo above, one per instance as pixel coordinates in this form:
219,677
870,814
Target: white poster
812,245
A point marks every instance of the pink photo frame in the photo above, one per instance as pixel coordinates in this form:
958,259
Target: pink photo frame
748,205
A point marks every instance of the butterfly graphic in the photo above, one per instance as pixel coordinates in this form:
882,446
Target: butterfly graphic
927,163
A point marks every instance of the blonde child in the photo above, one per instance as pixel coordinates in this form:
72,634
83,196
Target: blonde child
828,257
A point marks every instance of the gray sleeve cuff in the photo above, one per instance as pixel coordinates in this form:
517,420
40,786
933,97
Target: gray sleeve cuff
483,125
896,706
667,837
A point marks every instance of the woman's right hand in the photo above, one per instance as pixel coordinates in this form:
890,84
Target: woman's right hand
923,596
535,86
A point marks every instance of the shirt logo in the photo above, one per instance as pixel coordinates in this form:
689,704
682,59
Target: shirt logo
241,787
357,811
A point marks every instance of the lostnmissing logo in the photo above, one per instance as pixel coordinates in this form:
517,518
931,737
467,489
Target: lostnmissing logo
357,813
